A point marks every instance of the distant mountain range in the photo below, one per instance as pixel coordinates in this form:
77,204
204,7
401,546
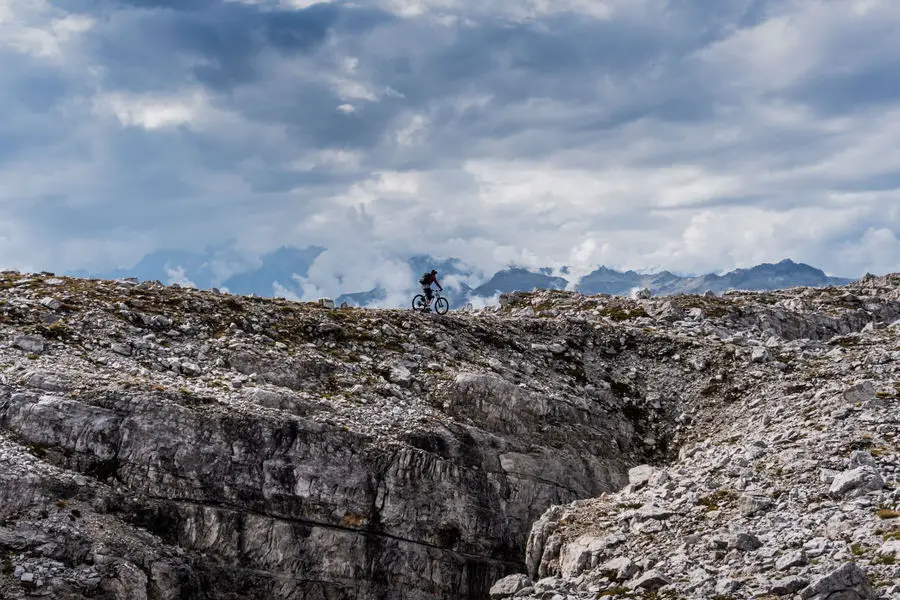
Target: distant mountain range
281,273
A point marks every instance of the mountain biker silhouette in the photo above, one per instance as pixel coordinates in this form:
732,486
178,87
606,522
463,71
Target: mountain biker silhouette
426,281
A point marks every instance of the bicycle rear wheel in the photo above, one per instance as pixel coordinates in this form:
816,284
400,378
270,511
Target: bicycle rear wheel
441,306
419,302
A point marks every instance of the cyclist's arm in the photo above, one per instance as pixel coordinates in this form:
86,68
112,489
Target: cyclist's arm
438,284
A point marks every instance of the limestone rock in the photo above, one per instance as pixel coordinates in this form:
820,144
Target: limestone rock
651,580
848,582
856,482
509,586
787,586
860,392
33,344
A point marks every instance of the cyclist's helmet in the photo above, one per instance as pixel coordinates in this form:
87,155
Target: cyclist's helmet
434,271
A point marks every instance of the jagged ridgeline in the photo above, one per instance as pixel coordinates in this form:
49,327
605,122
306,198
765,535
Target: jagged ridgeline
161,443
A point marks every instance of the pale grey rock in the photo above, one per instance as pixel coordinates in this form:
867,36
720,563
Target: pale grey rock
890,550
860,458
620,568
860,392
752,504
119,348
650,511
727,586
579,555
50,303
509,586
651,580
848,582
640,475
33,344
760,354
790,560
190,369
787,586
856,482
48,382
400,375
327,303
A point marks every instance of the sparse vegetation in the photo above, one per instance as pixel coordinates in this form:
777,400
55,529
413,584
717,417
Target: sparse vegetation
715,500
887,513
623,313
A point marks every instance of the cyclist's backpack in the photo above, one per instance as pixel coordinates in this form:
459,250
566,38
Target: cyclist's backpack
426,279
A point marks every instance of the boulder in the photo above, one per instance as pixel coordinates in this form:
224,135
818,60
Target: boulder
849,582
640,475
787,586
509,586
33,344
652,580
620,568
856,482
860,392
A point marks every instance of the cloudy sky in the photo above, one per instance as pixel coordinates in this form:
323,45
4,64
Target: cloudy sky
693,135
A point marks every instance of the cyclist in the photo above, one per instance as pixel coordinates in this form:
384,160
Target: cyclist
426,281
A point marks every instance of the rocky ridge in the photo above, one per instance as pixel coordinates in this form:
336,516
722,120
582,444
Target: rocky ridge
791,491
159,442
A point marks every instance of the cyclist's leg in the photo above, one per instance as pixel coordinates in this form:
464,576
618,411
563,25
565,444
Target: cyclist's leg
428,294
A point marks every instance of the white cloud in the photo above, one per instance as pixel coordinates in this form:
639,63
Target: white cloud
38,29
179,275
414,132
154,112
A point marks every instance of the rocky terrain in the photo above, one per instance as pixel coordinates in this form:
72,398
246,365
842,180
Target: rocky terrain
159,442
790,490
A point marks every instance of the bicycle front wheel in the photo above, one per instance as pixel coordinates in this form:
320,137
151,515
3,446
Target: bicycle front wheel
441,306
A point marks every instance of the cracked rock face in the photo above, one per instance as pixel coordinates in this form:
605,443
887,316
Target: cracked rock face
159,442
787,490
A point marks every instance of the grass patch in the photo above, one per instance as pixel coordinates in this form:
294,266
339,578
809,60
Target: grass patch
715,500
622,313
887,513
856,549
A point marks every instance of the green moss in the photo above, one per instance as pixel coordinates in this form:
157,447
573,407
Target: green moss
622,313
715,500
856,549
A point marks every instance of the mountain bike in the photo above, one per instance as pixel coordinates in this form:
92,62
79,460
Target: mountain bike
441,305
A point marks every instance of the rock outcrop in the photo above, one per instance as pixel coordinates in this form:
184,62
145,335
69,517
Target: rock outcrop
789,489
161,443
